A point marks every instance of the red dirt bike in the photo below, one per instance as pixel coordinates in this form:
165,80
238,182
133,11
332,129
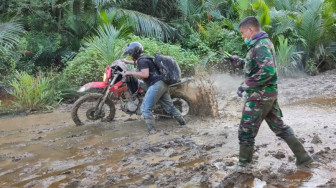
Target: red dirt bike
129,91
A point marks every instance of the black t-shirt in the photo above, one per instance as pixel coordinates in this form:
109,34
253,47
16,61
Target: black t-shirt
146,62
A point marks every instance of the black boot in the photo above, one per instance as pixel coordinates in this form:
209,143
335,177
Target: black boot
300,153
245,155
180,119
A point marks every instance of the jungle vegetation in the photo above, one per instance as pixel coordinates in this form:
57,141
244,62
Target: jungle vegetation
61,44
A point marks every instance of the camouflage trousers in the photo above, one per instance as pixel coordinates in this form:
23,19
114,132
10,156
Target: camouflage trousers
254,112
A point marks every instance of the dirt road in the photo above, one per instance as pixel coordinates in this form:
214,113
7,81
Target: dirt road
48,150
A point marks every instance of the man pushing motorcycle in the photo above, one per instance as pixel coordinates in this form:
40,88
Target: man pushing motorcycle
158,90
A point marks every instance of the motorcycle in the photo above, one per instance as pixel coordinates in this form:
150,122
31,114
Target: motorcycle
129,91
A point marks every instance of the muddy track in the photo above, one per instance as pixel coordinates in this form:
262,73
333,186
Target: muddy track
48,150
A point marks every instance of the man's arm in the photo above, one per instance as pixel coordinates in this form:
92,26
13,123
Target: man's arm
143,73
128,61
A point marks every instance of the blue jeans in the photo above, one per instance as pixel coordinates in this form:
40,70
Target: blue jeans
158,93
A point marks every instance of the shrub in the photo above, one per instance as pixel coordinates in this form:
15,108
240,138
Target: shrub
43,50
87,66
32,93
288,60
211,42
311,67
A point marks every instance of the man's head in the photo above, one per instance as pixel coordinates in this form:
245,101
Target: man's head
133,49
249,26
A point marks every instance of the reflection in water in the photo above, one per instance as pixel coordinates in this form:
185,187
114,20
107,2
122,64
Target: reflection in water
294,180
317,101
298,178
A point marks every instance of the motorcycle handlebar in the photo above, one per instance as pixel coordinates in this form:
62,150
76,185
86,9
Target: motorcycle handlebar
118,72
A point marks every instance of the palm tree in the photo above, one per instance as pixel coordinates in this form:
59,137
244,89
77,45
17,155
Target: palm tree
10,35
310,22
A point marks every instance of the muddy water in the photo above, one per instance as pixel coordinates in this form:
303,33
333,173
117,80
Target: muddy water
48,150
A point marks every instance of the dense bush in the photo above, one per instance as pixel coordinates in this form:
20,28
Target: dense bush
42,47
212,42
87,66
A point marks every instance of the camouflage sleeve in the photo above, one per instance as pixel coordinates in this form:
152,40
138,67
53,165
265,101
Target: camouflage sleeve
261,68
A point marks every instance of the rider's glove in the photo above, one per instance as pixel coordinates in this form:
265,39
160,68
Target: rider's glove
240,91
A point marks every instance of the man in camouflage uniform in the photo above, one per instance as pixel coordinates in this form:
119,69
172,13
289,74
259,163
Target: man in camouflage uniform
260,87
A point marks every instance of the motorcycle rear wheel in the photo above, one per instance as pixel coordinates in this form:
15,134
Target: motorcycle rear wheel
83,110
180,101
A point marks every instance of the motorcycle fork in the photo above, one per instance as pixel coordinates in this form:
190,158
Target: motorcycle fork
102,99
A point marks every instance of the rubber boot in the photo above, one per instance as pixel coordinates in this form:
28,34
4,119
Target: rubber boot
245,155
302,157
180,119
150,123
245,158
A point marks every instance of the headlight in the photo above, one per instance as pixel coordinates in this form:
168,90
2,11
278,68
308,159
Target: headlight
104,77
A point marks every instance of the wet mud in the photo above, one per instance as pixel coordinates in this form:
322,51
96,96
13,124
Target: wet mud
48,150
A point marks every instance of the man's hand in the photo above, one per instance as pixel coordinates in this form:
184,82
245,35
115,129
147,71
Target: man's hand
240,91
128,61
234,58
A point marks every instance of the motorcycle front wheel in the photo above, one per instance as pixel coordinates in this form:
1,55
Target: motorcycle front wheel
84,109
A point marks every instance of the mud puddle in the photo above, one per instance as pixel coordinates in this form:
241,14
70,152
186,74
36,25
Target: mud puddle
317,101
48,150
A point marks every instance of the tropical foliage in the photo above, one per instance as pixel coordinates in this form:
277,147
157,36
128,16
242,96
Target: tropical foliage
79,38
288,59
33,93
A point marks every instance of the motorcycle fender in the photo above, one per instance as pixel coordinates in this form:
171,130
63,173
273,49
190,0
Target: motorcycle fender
92,85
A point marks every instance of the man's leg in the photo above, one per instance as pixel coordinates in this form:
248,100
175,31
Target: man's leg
282,130
252,117
152,96
169,107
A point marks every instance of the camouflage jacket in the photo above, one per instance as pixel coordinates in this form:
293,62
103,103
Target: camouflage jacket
260,69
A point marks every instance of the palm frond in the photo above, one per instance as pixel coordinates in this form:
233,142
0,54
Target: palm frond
281,22
188,8
105,42
311,27
10,34
122,23
148,25
100,3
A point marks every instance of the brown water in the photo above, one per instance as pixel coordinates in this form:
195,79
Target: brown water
331,102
